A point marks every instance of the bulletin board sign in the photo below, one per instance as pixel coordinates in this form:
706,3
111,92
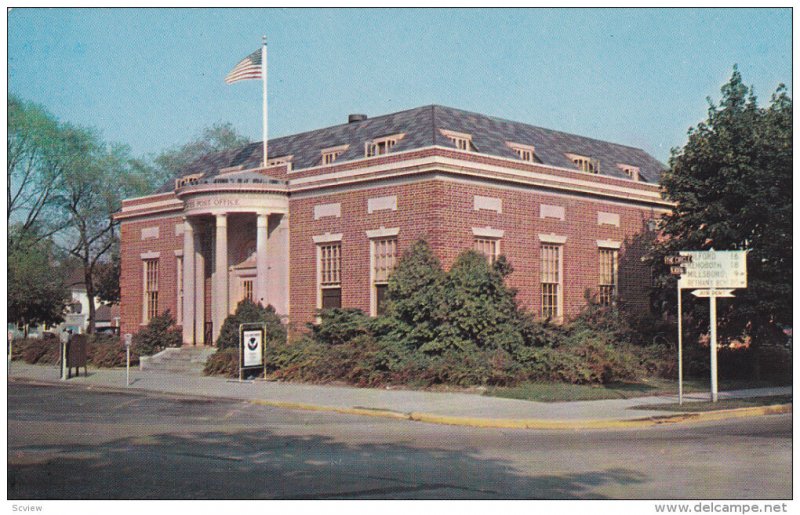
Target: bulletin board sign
252,340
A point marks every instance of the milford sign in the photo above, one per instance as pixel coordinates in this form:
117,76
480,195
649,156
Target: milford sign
712,269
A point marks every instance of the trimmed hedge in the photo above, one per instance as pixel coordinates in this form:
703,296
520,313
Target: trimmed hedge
103,351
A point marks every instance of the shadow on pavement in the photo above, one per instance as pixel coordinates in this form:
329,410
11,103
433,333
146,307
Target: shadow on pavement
263,465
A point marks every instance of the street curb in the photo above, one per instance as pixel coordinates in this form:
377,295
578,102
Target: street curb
476,422
501,423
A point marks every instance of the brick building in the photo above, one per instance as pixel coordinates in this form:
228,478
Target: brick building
324,222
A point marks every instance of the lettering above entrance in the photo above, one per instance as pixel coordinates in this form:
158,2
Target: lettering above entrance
235,202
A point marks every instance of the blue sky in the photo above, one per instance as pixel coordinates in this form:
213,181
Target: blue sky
154,78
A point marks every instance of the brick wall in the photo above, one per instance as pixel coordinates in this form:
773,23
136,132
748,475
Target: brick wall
415,216
442,212
132,246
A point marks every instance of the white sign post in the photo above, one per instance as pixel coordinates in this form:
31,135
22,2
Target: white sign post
675,268
128,341
716,274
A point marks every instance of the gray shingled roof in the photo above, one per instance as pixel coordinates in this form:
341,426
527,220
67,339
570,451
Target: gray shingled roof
421,127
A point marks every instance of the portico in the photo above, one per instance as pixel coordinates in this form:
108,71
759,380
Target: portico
235,246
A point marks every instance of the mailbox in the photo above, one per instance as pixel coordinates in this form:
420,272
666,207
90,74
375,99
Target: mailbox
77,354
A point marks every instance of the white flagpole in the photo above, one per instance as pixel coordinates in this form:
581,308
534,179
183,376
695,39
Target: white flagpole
264,83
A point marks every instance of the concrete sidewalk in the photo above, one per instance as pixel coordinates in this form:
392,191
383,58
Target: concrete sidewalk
442,407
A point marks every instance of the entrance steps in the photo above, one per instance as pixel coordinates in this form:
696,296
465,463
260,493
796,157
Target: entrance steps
179,360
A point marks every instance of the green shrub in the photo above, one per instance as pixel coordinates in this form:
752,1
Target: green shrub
109,352
159,334
249,312
414,298
35,350
459,328
478,308
337,326
223,363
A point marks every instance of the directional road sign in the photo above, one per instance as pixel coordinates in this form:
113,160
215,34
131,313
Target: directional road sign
710,269
713,293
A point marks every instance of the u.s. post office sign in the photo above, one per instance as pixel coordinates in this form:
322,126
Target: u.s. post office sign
714,269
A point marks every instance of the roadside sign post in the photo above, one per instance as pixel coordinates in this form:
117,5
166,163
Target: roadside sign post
676,268
10,348
128,342
712,305
680,349
64,341
715,274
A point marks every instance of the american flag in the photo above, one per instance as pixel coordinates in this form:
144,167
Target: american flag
248,68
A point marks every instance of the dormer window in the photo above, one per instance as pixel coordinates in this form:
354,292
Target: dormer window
524,152
282,160
187,180
631,171
585,164
329,155
461,140
380,146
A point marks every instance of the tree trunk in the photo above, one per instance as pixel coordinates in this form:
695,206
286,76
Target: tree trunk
90,294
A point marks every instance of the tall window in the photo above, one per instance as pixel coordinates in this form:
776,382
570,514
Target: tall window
608,276
330,282
551,281
179,284
489,247
150,289
247,289
384,259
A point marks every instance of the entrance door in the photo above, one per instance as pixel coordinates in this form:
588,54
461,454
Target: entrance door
207,334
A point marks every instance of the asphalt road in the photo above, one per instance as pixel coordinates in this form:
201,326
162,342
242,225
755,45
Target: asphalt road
76,443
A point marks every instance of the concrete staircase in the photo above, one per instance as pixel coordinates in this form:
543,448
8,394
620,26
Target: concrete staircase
179,360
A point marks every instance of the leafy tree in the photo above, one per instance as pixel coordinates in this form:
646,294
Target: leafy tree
36,295
96,179
732,185
35,171
219,137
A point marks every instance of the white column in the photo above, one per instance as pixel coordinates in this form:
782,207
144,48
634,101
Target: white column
262,227
199,286
220,292
188,283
